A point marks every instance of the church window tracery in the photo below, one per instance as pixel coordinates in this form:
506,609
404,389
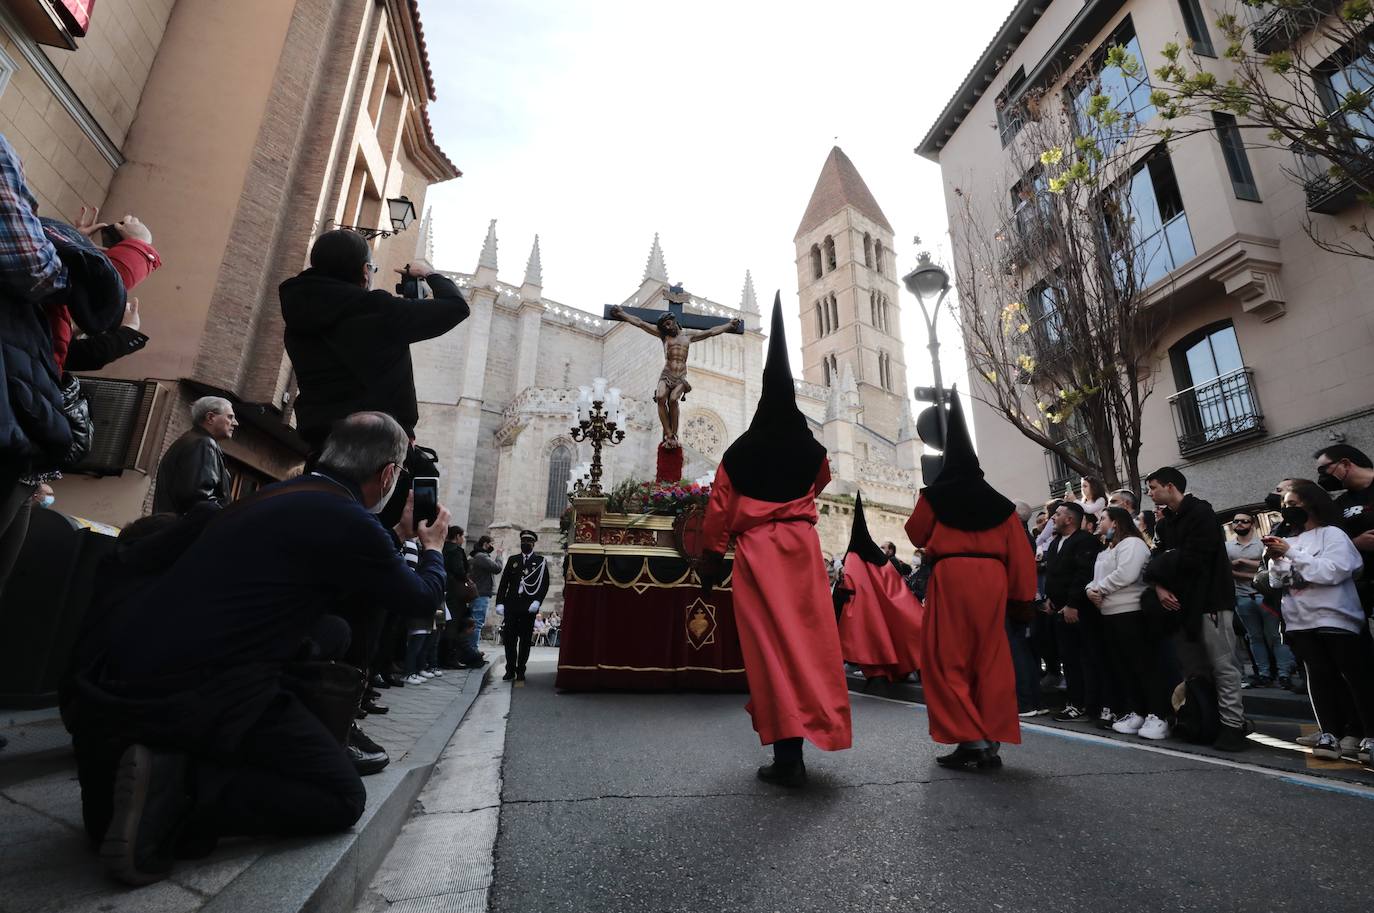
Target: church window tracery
560,467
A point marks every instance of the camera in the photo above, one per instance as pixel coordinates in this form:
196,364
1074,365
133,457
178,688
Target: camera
408,287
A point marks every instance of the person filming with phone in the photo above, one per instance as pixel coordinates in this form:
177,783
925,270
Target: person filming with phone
350,343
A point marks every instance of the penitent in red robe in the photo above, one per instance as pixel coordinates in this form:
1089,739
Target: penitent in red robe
880,626
784,613
966,670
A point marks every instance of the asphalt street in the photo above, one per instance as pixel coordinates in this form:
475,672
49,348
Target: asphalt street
630,802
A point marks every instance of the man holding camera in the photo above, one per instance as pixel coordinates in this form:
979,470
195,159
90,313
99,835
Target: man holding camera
350,343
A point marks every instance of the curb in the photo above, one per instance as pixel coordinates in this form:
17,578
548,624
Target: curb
1266,702
326,875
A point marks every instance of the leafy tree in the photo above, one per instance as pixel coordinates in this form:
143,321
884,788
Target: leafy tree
1058,325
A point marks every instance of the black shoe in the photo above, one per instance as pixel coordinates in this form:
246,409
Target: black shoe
379,681
150,807
394,680
509,676
371,706
360,713
1285,683
476,664
1231,738
791,775
963,758
520,676
367,756
1070,714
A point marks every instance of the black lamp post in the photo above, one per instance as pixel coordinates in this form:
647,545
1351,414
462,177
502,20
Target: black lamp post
401,212
929,280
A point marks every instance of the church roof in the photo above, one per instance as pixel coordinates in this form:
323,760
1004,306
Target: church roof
839,186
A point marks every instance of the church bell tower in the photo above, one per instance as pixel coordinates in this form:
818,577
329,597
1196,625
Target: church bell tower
850,312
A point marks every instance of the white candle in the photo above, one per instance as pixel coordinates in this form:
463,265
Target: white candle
613,400
599,389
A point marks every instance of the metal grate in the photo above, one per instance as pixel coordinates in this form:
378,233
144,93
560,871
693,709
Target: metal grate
119,411
1217,412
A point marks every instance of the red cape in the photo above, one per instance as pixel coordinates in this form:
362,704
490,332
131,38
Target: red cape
966,670
784,613
880,626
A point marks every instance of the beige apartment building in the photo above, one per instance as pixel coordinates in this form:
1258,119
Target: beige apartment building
238,131
1268,350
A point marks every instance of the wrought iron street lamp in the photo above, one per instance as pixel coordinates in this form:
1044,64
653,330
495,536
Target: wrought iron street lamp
401,212
928,279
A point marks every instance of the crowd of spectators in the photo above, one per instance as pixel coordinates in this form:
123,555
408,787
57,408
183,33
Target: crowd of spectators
1153,623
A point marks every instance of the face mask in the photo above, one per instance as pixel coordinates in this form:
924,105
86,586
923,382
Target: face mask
386,496
48,501
1273,501
1329,482
526,547
1295,517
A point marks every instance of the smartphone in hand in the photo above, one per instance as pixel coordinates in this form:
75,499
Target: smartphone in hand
426,509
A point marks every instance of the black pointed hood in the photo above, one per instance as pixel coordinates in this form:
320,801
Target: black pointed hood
861,540
777,458
960,496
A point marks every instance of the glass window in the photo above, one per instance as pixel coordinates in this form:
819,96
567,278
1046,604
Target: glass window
1215,399
1043,301
1355,74
1128,95
1159,233
560,465
1237,162
1196,26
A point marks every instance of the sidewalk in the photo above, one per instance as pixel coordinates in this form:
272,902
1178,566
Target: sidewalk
45,866
1277,715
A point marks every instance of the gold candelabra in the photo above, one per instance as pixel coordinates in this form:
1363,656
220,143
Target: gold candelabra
597,425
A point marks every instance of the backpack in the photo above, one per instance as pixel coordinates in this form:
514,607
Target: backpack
1196,718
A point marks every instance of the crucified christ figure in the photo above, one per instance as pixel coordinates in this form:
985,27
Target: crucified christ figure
672,383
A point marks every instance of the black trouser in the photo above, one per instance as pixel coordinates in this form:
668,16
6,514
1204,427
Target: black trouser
519,634
1135,657
290,777
1081,651
1339,665
16,504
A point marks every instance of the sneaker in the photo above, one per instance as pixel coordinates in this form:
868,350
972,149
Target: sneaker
425,673
1327,747
1285,683
414,678
1309,740
1106,719
1070,714
1365,754
1349,746
1153,728
437,673
150,808
1129,724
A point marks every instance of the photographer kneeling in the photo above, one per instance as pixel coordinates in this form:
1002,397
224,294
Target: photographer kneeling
192,690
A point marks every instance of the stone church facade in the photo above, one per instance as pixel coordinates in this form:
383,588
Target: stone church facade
497,396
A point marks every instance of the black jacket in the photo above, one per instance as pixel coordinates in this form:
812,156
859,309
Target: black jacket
1069,569
191,472
456,570
91,353
350,347
515,578
1203,570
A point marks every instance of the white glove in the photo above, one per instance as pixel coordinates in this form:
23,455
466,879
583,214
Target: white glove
534,608
501,610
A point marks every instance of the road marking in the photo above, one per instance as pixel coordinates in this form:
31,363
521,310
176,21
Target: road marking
1286,776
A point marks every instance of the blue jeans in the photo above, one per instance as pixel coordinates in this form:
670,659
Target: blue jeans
1262,626
479,618
1026,665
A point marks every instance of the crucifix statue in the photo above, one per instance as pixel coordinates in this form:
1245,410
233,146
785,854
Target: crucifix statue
668,326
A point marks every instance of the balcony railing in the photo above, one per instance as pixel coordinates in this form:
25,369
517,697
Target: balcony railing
1060,473
1327,193
1216,413
1281,26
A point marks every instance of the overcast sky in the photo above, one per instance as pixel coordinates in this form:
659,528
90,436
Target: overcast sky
596,123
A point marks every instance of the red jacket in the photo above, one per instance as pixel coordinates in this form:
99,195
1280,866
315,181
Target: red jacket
133,260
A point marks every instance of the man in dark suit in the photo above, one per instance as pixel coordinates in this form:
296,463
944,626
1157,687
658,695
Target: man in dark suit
1069,562
524,584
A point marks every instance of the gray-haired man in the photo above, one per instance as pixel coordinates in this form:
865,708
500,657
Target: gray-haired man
192,470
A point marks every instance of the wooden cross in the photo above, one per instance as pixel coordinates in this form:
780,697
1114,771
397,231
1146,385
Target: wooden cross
676,298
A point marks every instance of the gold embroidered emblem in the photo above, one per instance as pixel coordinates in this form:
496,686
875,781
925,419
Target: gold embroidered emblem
701,624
